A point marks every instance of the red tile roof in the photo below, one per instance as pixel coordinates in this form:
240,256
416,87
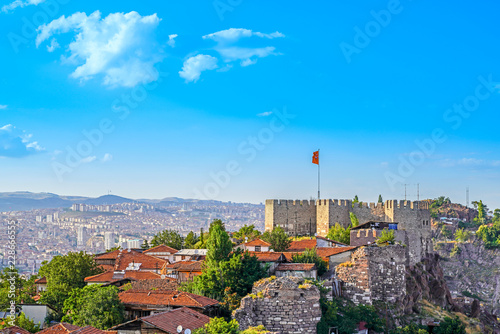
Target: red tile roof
88,330
324,252
109,256
14,330
301,245
170,320
107,277
167,283
165,298
267,256
186,266
106,267
161,249
61,328
329,251
42,280
147,262
296,267
257,242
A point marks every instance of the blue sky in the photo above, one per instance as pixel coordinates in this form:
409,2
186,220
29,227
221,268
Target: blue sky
228,99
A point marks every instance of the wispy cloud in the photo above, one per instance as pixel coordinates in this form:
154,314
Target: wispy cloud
20,3
171,40
230,51
88,159
469,162
15,143
53,45
120,47
107,157
3,106
193,66
265,113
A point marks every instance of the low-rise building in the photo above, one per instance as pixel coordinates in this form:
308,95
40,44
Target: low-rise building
303,270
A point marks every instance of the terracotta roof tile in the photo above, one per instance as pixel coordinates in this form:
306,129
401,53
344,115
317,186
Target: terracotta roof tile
107,277
42,280
161,249
168,283
330,240
127,257
88,330
257,242
267,256
106,267
186,266
165,298
296,267
170,320
329,251
109,256
14,330
61,328
302,245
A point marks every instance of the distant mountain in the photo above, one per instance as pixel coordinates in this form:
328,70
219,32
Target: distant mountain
107,200
24,201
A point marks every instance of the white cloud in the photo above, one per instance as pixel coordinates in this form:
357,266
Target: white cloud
265,113
53,45
3,106
234,34
15,143
88,159
107,157
230,52
193,67
20,3
171,40
120,47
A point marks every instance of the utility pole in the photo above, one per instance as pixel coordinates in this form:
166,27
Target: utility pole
467,197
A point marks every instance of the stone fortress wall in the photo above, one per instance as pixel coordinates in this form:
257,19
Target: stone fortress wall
308,218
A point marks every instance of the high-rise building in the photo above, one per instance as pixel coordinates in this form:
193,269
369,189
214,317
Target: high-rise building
81,239
39,219
49,218
109,240
56,215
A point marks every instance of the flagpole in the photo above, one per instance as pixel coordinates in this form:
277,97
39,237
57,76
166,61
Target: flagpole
318,176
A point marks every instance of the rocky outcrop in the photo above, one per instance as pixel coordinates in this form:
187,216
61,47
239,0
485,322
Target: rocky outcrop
426,280
474,272
282,305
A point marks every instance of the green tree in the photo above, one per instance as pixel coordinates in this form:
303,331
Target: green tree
310,256
462,235
380,200
340,234
191,240
247,231
490,235
255,330
219,326
410,329
168,237
446,232
21,321
202,242
94,306
386,236
356,199
279,240
65,273
450,326
354,219
145,244
15,287
482,211
218,244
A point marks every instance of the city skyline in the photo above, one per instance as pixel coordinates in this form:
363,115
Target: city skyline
229,100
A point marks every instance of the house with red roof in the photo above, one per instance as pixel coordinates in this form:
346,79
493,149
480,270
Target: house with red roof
14,330
270,259
256,245
126,275
162,252
61,328
183,271
165,322
144,303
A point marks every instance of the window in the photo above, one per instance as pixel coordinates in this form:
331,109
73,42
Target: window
257,248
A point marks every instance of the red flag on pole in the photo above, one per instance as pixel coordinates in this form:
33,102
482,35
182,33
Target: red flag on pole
316,157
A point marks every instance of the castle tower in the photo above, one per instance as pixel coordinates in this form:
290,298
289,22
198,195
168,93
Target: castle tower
297,218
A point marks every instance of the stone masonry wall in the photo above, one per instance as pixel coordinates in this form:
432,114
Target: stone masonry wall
295,217
375,273
284,305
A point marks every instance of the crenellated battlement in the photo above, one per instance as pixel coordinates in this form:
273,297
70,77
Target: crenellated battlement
288,202
406,205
